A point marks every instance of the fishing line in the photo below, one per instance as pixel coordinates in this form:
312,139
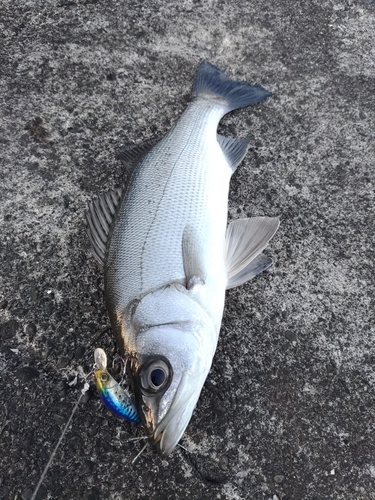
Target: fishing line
100,362
83,391
141,438
140,453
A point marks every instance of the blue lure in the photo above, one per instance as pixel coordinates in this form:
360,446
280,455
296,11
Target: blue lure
114,397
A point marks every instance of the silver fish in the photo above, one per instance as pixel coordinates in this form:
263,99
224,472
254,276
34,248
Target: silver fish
168,255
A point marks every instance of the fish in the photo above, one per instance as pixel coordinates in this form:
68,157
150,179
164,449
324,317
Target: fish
168,254
112,395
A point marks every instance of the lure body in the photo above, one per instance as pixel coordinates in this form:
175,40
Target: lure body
114,397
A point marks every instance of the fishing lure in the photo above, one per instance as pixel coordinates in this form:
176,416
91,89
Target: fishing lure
112,395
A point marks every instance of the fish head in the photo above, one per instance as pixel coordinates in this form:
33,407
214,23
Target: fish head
168,372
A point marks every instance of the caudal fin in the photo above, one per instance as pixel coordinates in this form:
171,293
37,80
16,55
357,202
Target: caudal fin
211,82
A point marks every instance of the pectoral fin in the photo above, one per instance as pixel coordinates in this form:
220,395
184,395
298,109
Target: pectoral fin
191,259
245,240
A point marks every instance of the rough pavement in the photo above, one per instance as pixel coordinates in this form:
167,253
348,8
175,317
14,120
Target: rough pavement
288,410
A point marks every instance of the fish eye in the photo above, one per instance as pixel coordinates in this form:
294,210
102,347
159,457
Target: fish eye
155,375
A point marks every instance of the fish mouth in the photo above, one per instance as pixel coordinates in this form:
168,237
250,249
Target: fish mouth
168,432
166,414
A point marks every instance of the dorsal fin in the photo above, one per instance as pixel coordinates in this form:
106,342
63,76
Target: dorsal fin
234,149
131,154
99,218
245,240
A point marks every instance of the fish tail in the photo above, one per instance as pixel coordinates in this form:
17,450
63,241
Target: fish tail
213,84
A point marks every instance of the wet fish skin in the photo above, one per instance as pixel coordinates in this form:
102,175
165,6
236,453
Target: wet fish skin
169,258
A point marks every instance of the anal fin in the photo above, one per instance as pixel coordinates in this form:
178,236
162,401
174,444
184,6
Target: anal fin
234,149
245,240
99,217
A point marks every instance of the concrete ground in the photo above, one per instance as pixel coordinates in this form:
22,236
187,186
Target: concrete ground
288,410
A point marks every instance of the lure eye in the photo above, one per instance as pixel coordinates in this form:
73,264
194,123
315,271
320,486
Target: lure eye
155,375
104,377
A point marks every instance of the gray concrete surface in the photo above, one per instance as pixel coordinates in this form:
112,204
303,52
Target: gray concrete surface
288,410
